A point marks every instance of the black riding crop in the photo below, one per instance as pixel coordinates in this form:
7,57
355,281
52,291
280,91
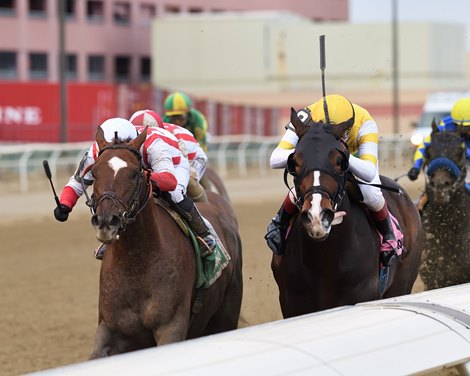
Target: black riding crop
45,163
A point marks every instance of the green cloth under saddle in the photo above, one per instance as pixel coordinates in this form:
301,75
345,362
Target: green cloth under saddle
208,268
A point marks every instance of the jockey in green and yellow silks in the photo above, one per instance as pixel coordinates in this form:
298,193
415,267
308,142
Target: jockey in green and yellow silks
179,111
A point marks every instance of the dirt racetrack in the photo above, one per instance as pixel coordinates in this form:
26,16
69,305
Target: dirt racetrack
49,279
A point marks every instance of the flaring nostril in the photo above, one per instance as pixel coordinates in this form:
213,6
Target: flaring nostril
328,215
95,220
115,221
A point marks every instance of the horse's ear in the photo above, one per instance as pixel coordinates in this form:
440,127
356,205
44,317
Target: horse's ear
300,127
137,142
100,140
434,125
340,130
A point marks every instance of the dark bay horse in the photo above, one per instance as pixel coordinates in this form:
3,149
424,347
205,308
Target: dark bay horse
332,259
148,292
446,216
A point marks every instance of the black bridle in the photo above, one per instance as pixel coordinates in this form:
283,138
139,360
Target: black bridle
316,155
335,198
128,211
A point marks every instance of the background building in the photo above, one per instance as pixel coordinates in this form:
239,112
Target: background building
273,59
108,40
244,63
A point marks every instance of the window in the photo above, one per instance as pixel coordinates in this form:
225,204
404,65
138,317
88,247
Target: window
172,9
69,9
8,65
37,8
95,10
96,68
195,10
147,13
122,13
7,7
122,68
38,66
71,66
145,69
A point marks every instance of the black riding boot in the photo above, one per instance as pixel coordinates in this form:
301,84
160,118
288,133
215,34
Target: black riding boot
277,229
386,229
198,225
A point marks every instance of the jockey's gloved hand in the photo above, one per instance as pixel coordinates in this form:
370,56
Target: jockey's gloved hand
61,212
413,173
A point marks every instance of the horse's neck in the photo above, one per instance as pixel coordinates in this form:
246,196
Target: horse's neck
138,234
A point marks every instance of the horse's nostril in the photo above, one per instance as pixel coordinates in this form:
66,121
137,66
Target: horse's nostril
95,220
115,221
328,216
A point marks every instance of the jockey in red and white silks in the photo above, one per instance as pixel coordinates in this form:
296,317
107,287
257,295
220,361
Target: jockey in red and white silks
189,146
161,154
169,170
156,150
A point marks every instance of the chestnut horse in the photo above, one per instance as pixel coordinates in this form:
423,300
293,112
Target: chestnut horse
446,217
214,181
148,293
332,259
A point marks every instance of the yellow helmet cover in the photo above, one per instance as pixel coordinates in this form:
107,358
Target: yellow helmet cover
340,110
460,112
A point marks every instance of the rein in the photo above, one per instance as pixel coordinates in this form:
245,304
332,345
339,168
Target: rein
381,186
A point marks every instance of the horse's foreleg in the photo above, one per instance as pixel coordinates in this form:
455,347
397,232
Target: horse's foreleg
105,343
275,263
174,331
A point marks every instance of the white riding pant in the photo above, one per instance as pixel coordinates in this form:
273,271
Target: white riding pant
182,172
373,197
199,165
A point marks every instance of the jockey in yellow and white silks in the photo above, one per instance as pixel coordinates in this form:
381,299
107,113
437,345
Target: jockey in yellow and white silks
362,140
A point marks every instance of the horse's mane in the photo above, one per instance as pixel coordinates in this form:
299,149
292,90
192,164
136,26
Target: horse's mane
118,141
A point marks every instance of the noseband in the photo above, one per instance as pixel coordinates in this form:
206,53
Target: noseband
129,210
335,199
455,168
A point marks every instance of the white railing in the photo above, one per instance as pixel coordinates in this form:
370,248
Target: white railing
412,334
237,154
22,161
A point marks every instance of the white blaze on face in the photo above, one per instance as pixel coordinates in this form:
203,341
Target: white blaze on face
316,228
116,164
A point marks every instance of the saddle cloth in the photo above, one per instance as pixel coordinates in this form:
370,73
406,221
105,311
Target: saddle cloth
210,267
398,236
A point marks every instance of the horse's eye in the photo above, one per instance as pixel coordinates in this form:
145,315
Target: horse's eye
339,159
134,174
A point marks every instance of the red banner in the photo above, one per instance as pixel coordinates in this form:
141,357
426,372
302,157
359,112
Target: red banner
30,112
